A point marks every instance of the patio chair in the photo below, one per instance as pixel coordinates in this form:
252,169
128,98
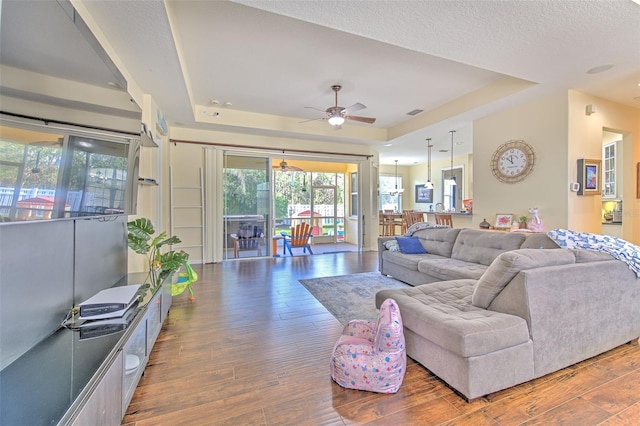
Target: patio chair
249,237
299,237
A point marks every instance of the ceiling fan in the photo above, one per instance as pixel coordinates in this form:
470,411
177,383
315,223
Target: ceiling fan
284,167
336,115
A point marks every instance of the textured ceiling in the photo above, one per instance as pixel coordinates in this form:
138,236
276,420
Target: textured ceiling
456,60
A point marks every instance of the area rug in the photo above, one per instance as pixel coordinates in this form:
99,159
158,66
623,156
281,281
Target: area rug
352,296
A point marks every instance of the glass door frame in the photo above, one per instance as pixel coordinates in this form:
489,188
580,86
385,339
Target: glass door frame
263,244
325,238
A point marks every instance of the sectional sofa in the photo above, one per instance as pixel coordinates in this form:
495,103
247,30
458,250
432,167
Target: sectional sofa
453,253
526,313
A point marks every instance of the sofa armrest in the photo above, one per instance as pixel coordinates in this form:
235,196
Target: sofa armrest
574,311
382,249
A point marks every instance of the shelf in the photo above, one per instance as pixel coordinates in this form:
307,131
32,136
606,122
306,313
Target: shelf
147,181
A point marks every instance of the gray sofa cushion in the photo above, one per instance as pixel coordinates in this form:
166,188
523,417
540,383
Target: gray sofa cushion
483,247
442,313
446,269
508,264
583,255
438,240
409,261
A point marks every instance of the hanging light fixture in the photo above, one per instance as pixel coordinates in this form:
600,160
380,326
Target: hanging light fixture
429,185
396,191
452,179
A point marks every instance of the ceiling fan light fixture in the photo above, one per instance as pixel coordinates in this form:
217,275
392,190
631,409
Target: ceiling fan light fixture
336,120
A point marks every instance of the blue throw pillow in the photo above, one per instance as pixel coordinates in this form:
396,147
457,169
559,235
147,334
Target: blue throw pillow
410,245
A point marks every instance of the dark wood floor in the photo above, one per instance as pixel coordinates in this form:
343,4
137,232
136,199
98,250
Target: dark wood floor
254,349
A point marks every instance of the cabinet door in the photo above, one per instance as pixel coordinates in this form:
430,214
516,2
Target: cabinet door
104,406
153,320
134,361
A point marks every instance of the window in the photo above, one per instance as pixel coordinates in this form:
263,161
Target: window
388,201
609,169
452,194
354,194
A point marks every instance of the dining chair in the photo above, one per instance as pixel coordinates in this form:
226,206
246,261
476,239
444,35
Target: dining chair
385,229
444,219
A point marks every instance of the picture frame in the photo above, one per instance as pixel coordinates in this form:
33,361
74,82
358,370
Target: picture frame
503,221
589,177
423,195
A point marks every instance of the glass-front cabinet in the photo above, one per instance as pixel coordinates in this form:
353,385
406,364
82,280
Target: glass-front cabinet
609,171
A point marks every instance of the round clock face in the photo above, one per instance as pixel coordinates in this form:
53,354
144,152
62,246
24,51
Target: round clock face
513,161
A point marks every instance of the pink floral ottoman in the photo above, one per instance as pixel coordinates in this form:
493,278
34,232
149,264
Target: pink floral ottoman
371,356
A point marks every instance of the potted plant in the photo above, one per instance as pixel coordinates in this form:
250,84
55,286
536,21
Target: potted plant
523,220
142,240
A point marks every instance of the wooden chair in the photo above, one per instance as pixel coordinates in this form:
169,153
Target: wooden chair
418,217
444,219
385,225
299,237
411,218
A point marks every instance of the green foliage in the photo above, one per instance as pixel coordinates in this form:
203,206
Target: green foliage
141,239
523,219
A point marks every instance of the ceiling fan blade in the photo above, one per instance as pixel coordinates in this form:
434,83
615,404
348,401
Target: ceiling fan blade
313,119
353,108
369,120
317,109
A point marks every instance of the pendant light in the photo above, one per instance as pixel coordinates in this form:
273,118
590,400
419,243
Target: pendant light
429,185
452,179
396,191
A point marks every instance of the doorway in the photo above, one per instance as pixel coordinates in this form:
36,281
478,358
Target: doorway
323,213
314,192
246,182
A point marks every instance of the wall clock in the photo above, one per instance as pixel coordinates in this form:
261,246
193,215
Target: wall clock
513,161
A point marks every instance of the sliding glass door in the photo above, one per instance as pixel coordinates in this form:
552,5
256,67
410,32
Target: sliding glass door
247,195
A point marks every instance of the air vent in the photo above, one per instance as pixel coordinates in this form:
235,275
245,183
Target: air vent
415,112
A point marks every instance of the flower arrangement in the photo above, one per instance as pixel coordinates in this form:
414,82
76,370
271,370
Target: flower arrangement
141,239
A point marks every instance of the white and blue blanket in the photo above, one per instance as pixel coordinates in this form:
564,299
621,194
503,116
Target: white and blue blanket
616,247
422,225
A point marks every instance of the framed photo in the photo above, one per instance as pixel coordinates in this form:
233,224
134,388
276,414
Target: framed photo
503,221
589,177
423,195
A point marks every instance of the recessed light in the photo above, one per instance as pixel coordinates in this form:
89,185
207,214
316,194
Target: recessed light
600,68
214,102
227,104
388,144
